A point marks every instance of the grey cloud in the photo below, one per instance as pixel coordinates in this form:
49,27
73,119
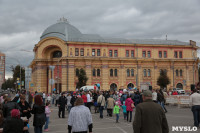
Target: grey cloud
22,22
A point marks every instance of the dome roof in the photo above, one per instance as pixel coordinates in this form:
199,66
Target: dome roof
62,30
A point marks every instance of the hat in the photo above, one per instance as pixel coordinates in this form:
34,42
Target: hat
147,93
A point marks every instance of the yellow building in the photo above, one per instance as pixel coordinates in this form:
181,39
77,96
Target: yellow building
113,63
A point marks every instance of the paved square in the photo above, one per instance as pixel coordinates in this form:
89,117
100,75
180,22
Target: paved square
175,116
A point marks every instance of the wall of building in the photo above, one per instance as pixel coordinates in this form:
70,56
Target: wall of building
70,62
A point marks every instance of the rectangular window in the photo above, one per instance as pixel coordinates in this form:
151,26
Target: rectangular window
93,52
82,52
165,54
160,54
149,54
180,54
110,53
98,52
116,53
127,53
143,53
76,52
175,54
132,53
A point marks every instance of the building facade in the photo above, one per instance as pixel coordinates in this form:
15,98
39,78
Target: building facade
2,68
113,63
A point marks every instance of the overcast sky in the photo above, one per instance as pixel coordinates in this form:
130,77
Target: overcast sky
23,21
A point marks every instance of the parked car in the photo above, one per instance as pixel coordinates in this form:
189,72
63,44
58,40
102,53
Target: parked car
89,88
179,90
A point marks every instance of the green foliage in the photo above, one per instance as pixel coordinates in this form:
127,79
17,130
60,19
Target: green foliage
16,73
8,84
82,78
163,80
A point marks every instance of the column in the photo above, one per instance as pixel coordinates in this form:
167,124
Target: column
105,76
88,70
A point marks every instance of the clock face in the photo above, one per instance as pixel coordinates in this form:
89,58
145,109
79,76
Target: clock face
57,54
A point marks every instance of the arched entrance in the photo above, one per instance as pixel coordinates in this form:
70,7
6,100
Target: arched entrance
113,86
130,86
179,85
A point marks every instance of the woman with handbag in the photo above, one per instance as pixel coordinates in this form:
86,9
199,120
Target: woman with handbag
25,107
39,114
129,107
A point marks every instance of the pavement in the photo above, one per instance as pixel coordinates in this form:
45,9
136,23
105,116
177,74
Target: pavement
175,116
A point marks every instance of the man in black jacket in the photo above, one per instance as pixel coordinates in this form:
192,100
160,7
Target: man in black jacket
61,104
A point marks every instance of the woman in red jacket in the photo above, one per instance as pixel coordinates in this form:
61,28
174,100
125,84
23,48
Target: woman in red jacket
84,98
129,108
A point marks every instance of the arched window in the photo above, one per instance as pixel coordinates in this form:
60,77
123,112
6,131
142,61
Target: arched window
98,72
111,72
132,72
77,71
145,73
176,72
149,73
128,73
115,72
57,54
94,72
181,72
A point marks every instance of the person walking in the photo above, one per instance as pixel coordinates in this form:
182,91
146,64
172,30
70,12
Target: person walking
116,111
80,118
129,107
69,105
84,98
89,100
47,113
149,116
136,98
39,114
124,110
43,97
101,102
161,99
53,98
57,98
195,102
95,96
154,96
62,102
110,105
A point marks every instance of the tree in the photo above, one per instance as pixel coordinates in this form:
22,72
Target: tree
16,73
82,78
163,79
8,84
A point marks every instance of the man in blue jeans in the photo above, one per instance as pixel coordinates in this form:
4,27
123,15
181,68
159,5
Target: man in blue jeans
195,102
101,102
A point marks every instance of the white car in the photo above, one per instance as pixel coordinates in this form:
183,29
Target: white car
88,88
179,90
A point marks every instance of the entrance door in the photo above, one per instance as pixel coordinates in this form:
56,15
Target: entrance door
179,85
130,86
113,86
58,87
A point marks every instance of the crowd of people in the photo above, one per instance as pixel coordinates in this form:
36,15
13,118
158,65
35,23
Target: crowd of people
113,102
149,109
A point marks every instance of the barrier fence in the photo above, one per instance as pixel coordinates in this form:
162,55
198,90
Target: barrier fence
178,100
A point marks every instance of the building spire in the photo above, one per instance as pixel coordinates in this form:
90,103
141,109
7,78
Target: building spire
63,19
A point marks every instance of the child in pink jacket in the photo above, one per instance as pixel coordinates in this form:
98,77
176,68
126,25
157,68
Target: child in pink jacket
47,112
